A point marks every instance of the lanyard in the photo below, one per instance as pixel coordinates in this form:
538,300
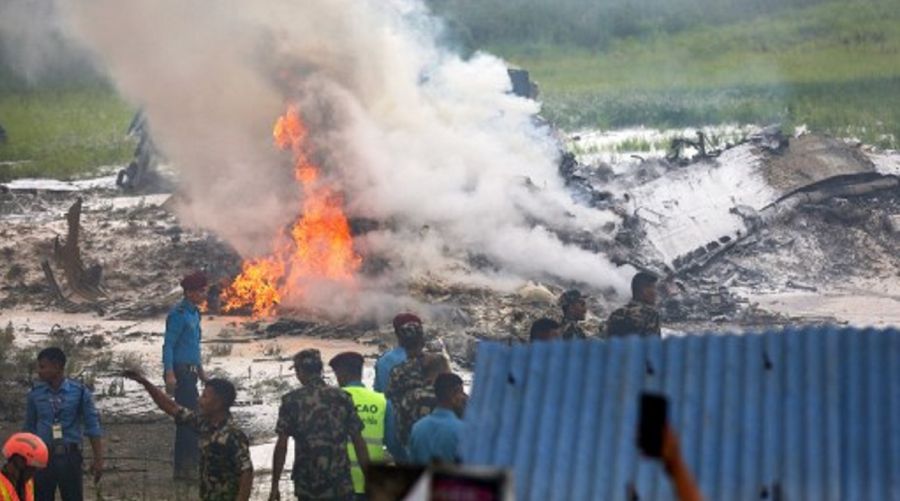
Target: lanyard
56,401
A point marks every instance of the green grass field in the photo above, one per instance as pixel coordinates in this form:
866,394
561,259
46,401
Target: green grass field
833,67
63,132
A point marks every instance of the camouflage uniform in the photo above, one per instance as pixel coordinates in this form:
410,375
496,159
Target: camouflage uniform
320,419
417,404
405,387
571,329
634,318
224,455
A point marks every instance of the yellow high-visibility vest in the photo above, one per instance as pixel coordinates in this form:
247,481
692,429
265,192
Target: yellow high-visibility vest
371,407
8,491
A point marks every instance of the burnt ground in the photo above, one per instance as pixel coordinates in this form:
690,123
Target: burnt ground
833,245
142,249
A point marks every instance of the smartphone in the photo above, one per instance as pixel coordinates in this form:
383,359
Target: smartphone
654,414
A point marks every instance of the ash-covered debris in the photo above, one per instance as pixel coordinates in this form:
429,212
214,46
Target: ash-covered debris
768,214
838,244
693,214
139,245
771,138
813,216
142,175
821,245
583,185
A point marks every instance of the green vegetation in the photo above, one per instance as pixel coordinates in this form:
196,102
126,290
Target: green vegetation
597,25
62,131
833,66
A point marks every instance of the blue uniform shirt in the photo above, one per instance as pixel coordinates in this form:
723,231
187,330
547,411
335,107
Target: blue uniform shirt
72,406
385,365
182,342
435,437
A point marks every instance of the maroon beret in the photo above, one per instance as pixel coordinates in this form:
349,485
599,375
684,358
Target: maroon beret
405,318
194,281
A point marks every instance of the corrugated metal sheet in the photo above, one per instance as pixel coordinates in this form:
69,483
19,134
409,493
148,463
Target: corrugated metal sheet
798,414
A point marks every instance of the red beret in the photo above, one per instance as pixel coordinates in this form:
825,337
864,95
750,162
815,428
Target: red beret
194,281
405,318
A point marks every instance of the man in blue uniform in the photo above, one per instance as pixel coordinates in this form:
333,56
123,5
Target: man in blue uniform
182,365
436,436
60,411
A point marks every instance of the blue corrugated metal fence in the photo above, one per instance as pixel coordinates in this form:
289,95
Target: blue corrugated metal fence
797,414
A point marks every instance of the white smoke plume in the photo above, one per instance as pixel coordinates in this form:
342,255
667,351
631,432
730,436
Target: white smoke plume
34,42
432,145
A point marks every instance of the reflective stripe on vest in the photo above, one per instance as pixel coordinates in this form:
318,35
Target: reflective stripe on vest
371,407
8,491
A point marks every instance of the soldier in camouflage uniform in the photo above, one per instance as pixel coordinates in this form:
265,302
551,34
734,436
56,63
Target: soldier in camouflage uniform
574,309
640,315
420,400
407,377
226,472
320,419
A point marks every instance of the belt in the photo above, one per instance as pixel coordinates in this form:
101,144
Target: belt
65,448
192,368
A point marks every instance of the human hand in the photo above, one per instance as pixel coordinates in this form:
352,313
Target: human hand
171,382
686,488
97,469
671,449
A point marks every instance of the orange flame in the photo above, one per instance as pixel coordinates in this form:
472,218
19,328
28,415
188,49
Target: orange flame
319,245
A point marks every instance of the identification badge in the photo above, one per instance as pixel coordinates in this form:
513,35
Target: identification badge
57,431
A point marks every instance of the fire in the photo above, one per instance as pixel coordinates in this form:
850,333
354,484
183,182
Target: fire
318,246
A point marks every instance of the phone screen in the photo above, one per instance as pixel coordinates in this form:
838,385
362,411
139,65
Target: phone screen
654,410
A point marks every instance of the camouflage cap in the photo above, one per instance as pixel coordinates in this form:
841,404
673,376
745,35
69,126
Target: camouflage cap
309,360
571,297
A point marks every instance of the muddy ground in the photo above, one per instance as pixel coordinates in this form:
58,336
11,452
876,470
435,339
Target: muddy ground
135,467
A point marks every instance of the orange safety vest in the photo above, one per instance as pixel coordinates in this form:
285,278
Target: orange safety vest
8,490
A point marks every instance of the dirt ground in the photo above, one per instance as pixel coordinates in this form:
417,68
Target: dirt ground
138,464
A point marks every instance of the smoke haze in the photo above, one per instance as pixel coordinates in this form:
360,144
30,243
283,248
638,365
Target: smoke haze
35,45
431,145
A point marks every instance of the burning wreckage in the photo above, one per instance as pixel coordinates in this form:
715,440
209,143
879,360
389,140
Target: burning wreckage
772,217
